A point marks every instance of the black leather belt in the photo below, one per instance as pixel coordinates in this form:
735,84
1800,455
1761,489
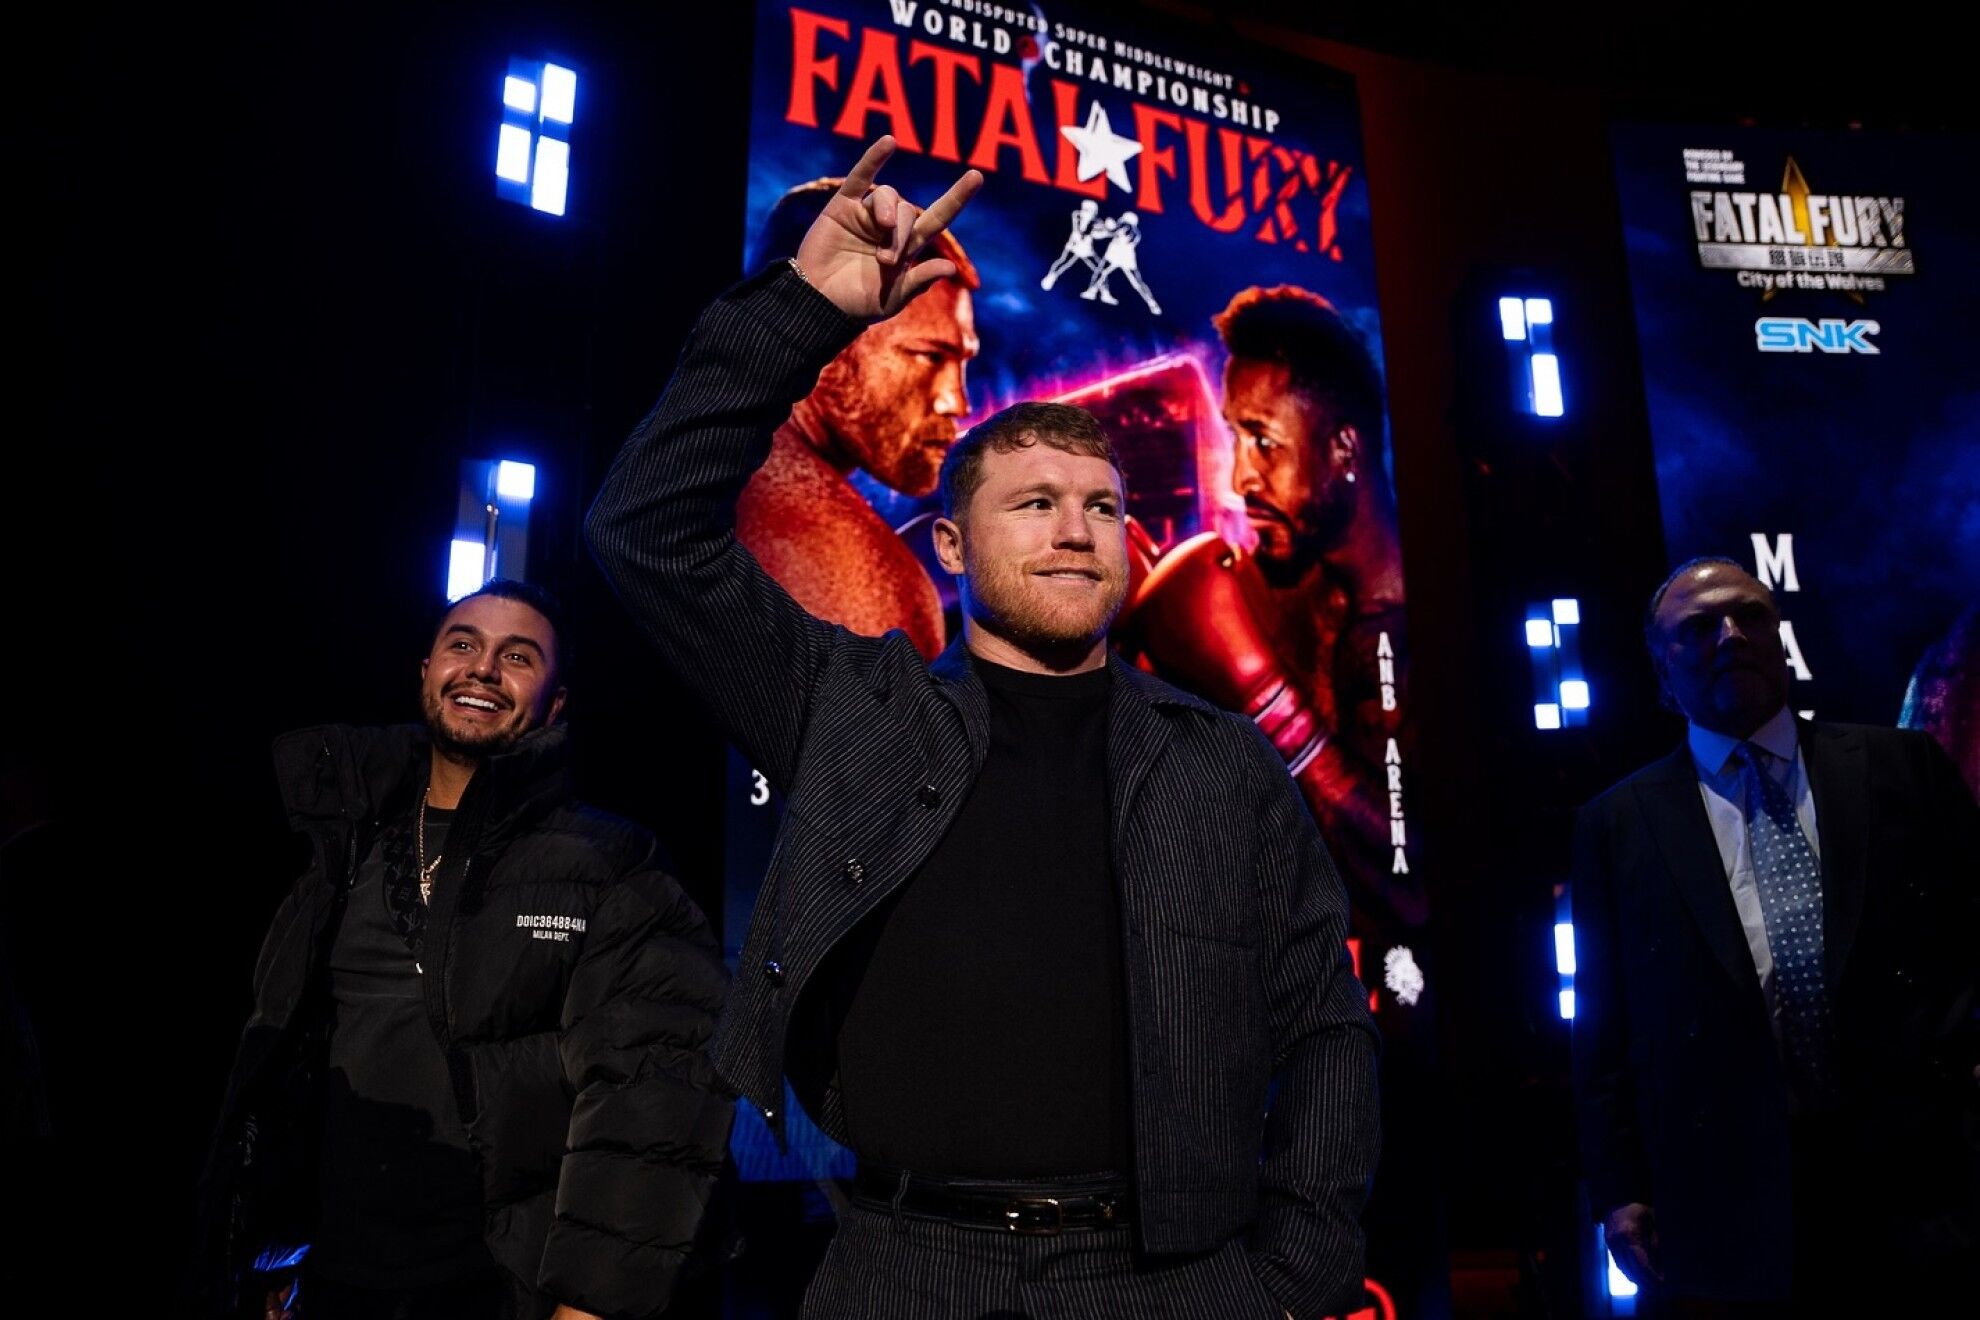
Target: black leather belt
1039,1209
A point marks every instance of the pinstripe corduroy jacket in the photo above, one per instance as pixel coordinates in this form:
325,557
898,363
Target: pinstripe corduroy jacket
1233,916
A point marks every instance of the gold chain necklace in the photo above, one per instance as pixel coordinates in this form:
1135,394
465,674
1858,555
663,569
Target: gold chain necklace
426,868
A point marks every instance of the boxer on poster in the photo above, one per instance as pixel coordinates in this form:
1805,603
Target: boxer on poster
1123,235
1054,947
887,405
1079,244
1306,634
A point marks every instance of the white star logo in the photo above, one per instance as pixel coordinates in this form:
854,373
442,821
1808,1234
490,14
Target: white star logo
1102,150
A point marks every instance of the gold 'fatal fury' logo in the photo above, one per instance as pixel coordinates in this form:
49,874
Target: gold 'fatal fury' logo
1796,238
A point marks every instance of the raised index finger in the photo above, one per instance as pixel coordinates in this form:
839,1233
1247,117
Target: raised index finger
859,180
948,206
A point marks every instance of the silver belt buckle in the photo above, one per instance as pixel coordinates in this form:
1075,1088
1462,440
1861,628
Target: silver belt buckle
1014,1213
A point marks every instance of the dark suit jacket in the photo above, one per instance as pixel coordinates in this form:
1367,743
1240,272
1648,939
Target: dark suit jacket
1233,915
1683,1102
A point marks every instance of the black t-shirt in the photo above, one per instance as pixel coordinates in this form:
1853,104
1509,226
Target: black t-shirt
400,1202
982,1010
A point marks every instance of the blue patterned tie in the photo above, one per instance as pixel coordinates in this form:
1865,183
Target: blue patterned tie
1790,883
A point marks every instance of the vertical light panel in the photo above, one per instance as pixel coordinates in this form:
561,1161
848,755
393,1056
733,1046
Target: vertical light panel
1512,318
1618,1282
1527,326
1564,947
466,562
512,154
1611,1283
491,515
1547,401
1561,694
532,145
559,94
551,179
1564,956
515,481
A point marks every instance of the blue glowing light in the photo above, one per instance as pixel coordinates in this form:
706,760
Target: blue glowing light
466,561
515,481
279,1258
1547,401
552,178
533,149
512,154
559,93
1619,1283
1512,318
1526,324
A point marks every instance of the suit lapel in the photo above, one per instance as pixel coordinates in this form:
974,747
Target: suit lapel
1837,775
1671,805
1137,736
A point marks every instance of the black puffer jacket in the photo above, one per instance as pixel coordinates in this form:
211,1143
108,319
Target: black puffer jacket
579,1063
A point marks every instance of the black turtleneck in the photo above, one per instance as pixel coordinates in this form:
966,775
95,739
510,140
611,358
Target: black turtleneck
982,1028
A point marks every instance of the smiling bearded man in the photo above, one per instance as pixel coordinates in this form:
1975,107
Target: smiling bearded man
1042,932
472,959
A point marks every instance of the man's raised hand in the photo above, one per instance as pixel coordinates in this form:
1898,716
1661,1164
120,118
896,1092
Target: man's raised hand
860,251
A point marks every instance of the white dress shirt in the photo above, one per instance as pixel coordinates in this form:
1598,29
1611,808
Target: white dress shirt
1722,784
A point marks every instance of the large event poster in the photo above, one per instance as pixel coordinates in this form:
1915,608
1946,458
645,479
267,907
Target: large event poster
1173,233
1802,299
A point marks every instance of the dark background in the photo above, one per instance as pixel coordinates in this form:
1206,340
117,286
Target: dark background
268,300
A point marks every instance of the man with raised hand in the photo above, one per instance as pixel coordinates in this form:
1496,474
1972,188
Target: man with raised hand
1041,933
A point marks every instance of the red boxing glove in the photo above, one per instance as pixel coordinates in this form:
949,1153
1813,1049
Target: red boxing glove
1194,621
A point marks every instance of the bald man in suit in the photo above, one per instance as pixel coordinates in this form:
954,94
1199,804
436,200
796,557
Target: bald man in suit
1774,1024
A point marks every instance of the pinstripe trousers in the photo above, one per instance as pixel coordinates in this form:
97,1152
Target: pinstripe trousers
880,1267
